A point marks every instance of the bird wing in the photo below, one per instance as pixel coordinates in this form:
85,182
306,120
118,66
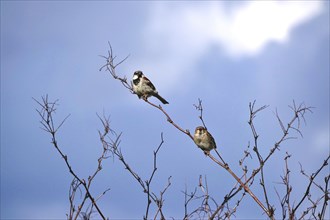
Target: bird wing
213,141
149,83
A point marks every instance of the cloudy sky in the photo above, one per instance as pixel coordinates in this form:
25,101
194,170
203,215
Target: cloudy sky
226,53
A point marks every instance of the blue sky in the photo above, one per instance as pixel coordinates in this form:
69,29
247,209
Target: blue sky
228,54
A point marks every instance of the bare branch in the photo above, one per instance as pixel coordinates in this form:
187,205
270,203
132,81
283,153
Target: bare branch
187,199
293,125
199,107
224,165
326,197
312,177
298,113
110,66
46,113
113,146
187,132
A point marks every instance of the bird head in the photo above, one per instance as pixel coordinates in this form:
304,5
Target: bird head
200,130
137,74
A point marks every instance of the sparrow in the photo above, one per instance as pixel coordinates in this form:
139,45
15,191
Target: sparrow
144,88
204,140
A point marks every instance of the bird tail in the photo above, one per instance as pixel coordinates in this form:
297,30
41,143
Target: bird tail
160,98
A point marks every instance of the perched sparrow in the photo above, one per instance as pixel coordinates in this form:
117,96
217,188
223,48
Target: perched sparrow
143,87
204,140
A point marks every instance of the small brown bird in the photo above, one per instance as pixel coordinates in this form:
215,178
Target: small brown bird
144,88
204,140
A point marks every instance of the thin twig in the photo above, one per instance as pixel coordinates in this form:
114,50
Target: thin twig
113,146
199,107
46,113
312,177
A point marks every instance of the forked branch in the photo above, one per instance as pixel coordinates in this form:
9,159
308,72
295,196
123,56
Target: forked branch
112,142
46,112
110,66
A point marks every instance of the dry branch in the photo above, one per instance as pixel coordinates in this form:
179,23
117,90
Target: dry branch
46,112
110,67
113,147
209,208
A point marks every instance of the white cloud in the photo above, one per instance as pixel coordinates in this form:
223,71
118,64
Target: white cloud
177,35
255,24
245,29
